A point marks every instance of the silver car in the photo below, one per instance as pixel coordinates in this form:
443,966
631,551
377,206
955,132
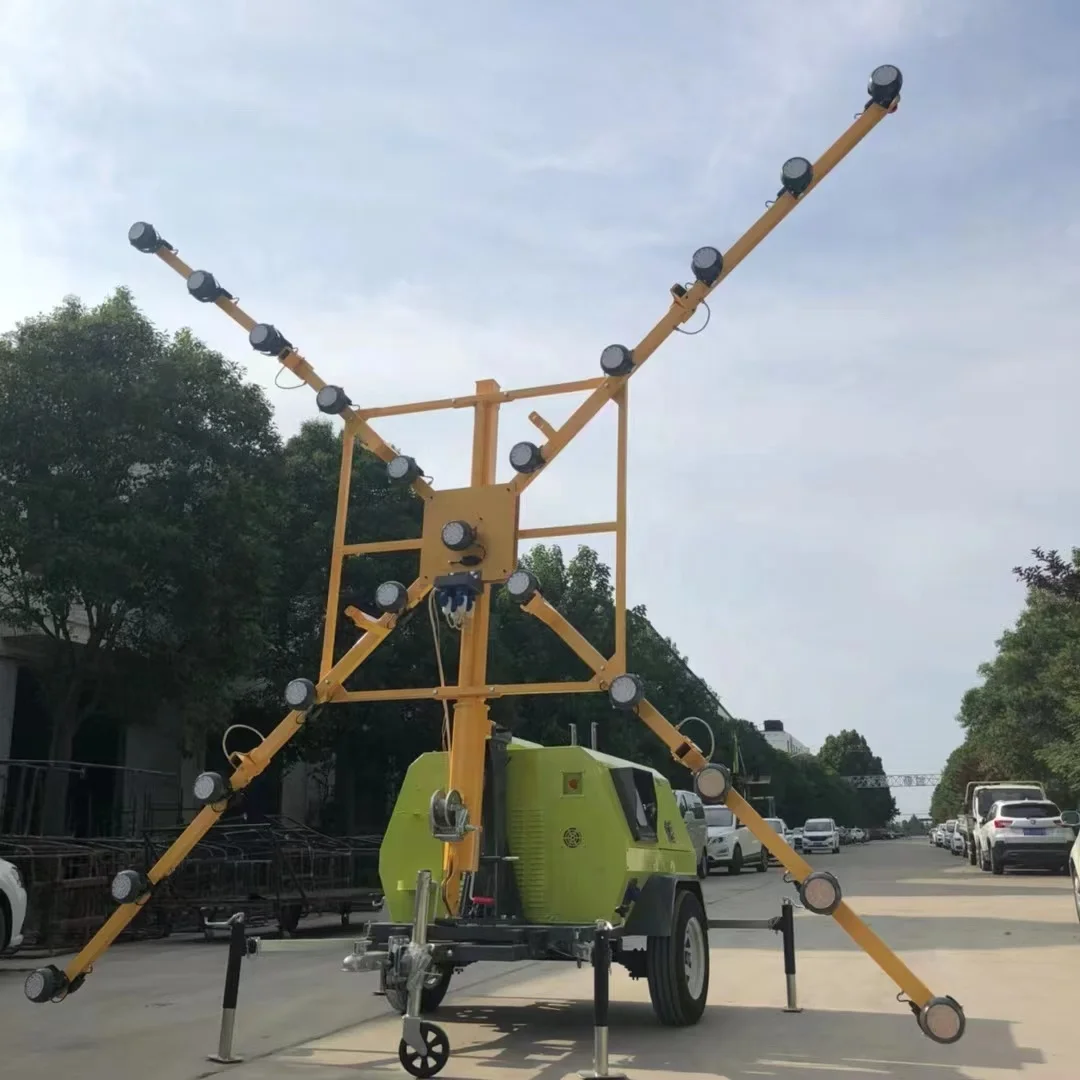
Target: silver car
693,813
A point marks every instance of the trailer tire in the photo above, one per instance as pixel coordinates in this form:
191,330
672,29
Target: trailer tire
677,966
431,997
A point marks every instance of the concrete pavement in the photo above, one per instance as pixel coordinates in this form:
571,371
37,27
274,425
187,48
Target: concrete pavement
1006,947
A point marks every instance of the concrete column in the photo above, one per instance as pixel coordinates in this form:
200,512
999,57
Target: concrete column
153,747
303,788
9,678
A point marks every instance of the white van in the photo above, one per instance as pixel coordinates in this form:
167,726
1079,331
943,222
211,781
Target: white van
820,834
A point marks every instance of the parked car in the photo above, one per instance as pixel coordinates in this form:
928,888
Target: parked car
779,826
693,813
731,843
1072,818
947,831
957,841
1028,834
12,907
821,834
933,834
980,795
858,836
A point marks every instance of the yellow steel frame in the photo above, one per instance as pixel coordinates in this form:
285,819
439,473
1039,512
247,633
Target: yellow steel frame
472,693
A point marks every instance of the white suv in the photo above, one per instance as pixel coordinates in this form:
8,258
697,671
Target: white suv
12,907
820,834
1028,834
731,843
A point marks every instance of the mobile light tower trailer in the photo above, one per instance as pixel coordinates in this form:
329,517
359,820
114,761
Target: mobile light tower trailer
500,849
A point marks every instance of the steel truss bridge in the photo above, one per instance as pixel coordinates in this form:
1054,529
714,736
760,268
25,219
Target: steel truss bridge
894,780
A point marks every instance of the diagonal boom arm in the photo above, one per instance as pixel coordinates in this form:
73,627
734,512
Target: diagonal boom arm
249,766
683,306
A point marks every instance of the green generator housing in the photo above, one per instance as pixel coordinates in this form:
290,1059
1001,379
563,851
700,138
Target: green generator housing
582,829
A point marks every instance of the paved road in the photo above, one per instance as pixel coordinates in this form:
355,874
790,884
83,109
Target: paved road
1007,947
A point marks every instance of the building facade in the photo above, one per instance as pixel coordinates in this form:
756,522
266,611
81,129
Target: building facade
779,739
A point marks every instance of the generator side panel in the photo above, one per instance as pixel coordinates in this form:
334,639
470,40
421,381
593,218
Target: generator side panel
569,834
408,846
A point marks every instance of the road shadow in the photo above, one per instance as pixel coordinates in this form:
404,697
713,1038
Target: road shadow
550,1040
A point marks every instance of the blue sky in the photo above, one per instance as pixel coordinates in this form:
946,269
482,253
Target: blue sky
831,484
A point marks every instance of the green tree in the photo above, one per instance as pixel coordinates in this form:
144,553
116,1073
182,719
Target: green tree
1052,574
138,481
1023,720
849,754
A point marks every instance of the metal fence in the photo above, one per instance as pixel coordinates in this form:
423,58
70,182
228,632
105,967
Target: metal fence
274,869
100,800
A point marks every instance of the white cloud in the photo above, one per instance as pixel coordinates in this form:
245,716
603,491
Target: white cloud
829,484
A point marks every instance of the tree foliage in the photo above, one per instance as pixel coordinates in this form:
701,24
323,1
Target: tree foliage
1023,720
849,754
137,475
1053,574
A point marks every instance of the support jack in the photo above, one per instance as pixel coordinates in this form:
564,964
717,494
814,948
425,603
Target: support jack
601,963
237,951
424,1049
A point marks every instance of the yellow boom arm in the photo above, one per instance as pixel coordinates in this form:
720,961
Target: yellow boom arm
494,509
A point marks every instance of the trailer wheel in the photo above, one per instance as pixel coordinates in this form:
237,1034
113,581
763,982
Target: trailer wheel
436,985
436,1052
678,966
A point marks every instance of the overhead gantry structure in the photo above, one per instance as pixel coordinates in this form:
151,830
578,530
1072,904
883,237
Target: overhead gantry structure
468,544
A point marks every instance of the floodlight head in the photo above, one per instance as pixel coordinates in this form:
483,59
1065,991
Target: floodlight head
458,535
820,893
44,984
707,265
522,586
300,693
526,457
128,886
796,175
202,285
142,236
332,400
391,597
402,470
713,783
884,86
268,340
617,360
626,691
942,1019
209,788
